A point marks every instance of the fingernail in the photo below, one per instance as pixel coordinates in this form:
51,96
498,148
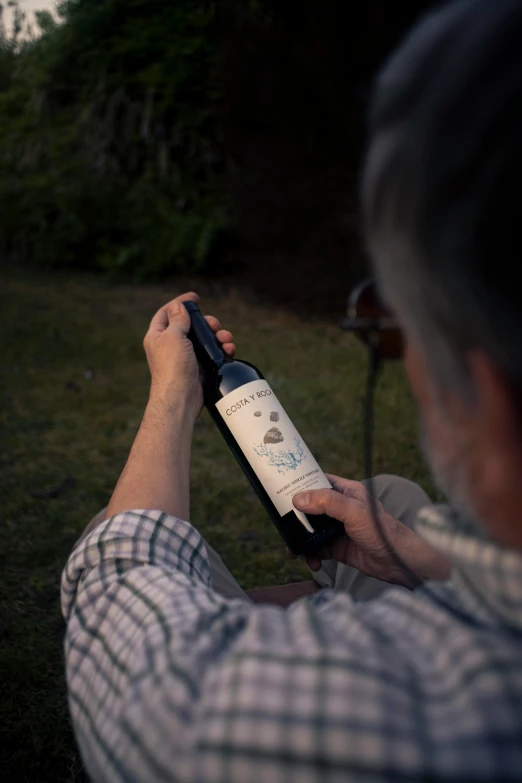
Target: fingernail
302,500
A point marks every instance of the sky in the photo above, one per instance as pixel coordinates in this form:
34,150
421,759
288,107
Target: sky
36,5
28,6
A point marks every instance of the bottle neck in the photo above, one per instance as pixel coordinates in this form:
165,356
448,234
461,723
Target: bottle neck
209,352
209,358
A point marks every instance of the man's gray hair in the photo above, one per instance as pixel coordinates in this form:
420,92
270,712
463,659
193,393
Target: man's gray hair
442,188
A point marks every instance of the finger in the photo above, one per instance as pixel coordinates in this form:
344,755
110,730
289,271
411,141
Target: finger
229,349
179,319
327,501
175,310
160,320
213,322
224,336
314,563
178,315
348,487
335,480
190,296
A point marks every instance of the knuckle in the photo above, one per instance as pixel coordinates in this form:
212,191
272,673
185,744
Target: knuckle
326,499
361,493
338,505
320,496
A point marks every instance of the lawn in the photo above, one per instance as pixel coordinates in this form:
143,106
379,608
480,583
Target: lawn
73,384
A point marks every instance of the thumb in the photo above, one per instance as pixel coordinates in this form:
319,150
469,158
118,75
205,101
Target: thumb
179,319
323,501
334,504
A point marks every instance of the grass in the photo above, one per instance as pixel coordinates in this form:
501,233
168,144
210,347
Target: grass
73,386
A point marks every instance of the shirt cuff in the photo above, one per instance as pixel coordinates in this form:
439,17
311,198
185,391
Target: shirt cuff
137,538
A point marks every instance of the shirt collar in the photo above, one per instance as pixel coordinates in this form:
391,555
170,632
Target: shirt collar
488,577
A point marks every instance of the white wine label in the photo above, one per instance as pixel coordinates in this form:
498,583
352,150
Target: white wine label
272,445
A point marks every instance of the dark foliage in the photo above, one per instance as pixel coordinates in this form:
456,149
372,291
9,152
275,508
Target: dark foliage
110,154
138,133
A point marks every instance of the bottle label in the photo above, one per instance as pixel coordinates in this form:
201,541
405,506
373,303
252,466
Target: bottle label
272,445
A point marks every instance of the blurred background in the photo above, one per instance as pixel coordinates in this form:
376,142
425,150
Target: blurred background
146,148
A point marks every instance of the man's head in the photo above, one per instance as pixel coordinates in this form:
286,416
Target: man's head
444,225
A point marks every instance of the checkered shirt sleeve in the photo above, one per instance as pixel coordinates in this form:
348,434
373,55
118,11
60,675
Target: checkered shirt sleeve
168,681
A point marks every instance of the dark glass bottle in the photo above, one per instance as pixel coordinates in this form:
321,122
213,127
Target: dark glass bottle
262,438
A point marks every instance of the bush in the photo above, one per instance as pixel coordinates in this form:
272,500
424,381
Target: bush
110,156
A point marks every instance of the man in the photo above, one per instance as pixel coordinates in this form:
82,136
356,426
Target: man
170,680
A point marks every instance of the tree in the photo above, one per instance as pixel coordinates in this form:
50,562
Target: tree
110,151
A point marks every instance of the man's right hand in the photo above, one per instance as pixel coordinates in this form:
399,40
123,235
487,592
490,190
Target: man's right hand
366,547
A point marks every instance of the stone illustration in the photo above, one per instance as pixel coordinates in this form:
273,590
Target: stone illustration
257,413
274,416
273,436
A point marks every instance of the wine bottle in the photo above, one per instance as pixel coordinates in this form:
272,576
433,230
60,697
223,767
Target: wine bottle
262,438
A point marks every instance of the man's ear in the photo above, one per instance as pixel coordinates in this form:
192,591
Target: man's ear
499,442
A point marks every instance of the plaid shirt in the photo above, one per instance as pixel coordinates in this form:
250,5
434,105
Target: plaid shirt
169,681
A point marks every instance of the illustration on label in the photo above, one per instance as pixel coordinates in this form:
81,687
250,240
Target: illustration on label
272,445
274,435
281,460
